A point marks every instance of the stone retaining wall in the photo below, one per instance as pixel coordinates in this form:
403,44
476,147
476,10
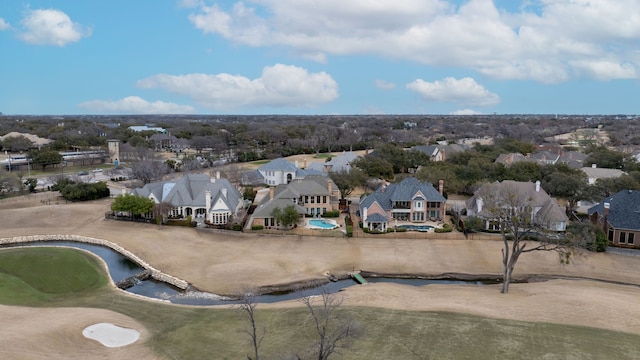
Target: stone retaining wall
155,274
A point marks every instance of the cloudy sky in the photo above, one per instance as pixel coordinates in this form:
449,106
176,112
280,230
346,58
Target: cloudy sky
320,57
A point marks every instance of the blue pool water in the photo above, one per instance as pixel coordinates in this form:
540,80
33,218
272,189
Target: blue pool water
422,228
321,223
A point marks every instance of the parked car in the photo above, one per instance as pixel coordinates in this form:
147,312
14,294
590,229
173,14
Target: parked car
83,173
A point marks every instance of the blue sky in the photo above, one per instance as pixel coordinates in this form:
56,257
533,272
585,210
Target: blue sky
320,57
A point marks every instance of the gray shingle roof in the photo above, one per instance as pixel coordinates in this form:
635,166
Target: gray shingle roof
279,164
624,210
264,210
402,191
430,150
377,218
336,164
190,190
549,211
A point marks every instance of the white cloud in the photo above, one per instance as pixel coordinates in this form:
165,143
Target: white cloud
605,70
135,105
4,25
384,85
51,27
465,91
547,42
278,86
466,112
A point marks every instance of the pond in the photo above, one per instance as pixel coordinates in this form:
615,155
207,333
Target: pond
121,268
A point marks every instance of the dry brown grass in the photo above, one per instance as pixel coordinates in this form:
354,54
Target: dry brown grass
226,262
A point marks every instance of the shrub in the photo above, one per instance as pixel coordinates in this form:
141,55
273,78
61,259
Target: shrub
473,223
187,222
349,231
444,229
236,227
84,191
332,214
257,227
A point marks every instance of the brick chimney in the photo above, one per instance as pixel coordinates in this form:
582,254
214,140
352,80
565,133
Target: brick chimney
207,200
441,187
271,192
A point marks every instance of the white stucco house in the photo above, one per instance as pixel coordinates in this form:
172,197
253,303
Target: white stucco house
214,200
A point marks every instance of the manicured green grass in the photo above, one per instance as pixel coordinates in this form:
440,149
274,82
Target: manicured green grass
182,332
46,274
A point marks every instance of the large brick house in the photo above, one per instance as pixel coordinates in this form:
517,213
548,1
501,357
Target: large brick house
619,217
312,196
409,200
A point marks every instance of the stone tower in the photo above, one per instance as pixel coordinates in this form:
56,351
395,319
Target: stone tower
114,151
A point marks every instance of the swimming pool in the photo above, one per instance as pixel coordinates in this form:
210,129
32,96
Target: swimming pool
422,228
323,224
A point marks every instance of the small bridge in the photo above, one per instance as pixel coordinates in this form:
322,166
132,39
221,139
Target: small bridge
357,277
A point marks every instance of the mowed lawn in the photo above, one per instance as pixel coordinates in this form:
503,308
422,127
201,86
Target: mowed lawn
56,277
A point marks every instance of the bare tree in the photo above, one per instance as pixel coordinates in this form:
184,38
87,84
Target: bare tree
231,172
515,209
334,327
161,211
149,170
9,181
248,309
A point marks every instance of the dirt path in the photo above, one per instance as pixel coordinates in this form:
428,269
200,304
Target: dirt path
227,262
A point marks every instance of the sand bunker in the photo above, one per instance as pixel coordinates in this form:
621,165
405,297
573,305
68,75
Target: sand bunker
111,335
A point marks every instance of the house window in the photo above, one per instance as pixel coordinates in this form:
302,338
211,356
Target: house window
318,199
417,204
324,210
611,235
312,198
272,221
306,199
630,238
622,238
324,199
